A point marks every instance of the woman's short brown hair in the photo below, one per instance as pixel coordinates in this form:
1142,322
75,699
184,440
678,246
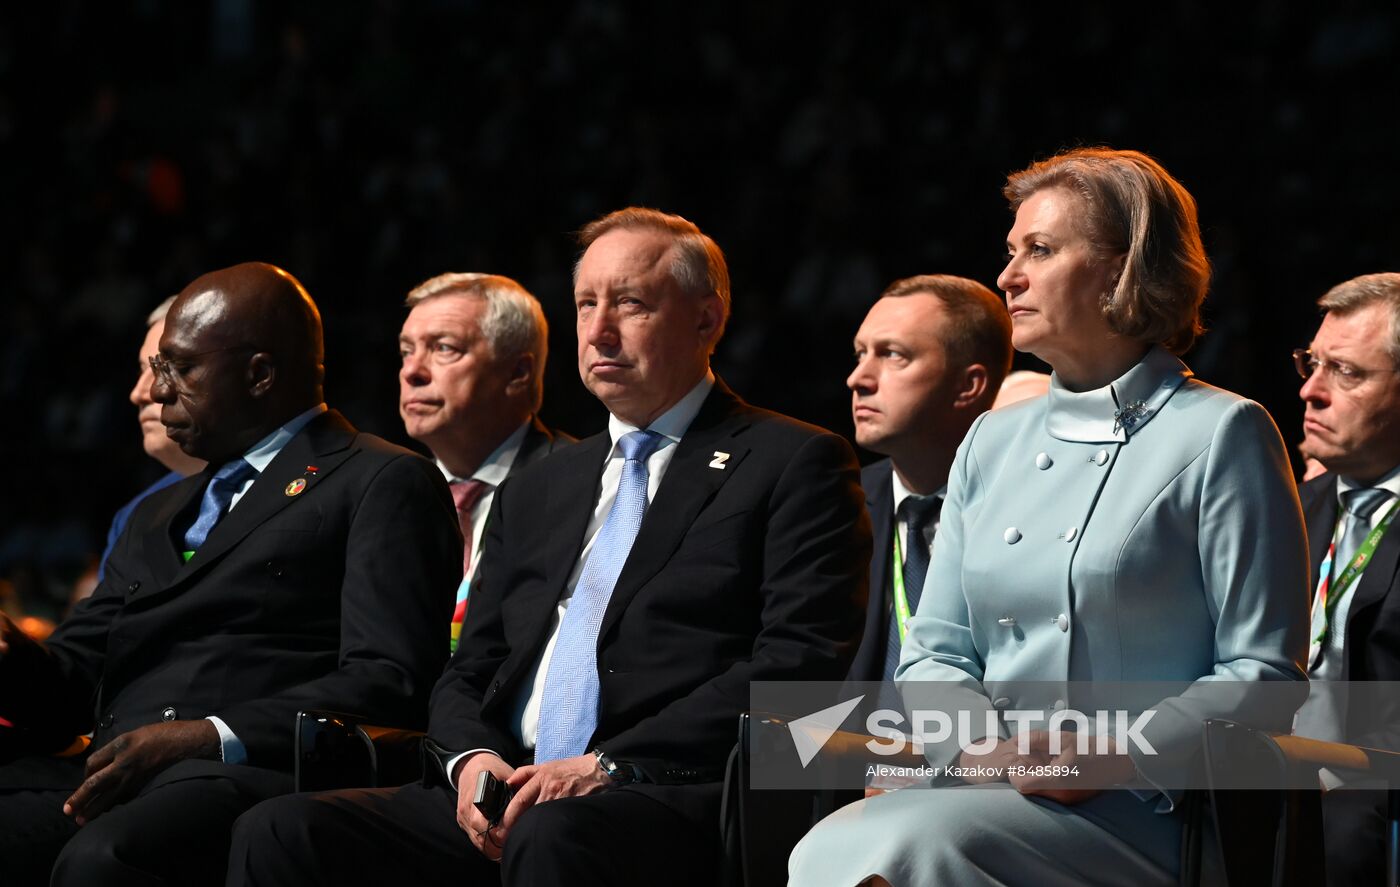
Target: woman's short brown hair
1133,208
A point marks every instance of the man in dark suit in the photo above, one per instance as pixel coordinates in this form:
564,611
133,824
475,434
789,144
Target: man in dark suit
474,348
309,566
1351,425
930,358
633,586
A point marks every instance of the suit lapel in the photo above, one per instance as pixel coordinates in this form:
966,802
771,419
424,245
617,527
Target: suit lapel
572,496
536,445
1376,581
705,459
158,543
880,503
324,444
869,662
1320,514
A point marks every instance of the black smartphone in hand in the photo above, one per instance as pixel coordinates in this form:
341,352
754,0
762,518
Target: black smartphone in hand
492,797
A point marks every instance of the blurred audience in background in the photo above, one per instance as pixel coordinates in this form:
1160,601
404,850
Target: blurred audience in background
368,151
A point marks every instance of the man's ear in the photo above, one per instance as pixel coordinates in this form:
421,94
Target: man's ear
711,320
262,373
972,388
521,373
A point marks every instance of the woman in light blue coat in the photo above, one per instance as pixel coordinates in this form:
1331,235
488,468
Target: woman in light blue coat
1135,524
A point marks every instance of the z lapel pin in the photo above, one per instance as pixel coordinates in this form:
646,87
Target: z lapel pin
719,460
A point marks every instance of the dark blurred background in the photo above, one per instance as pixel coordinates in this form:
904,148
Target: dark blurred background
367,146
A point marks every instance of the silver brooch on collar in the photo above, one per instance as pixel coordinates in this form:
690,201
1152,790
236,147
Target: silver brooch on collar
1129,415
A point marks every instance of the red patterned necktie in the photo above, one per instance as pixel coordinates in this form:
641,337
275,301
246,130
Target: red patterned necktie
465,495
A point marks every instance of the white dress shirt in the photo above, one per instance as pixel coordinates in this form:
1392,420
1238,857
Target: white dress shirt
492,472
901,492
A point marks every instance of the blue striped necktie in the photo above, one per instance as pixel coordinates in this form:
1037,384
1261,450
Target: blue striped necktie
569,705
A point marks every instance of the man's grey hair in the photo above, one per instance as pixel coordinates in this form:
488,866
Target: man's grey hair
698,266
158,313
513,323
1366,290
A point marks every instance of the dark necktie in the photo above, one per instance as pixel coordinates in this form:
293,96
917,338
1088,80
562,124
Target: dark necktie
918,513
217,496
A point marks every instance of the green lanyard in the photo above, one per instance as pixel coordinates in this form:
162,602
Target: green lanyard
1334,593
901,600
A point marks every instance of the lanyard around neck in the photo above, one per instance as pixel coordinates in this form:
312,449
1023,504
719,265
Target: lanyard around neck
1329,594
901,599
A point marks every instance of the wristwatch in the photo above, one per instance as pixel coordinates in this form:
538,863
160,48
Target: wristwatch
620,772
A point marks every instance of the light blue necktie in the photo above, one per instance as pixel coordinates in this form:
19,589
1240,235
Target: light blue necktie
569,706
217,496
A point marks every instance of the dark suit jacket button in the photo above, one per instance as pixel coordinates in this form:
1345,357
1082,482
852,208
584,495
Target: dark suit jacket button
169,714
275,569
106,722
133,587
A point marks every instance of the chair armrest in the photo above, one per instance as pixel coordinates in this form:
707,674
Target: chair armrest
1268,808
337,750
1301,754
761,826
1242,757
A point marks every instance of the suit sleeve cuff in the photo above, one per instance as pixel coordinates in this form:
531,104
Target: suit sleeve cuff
230,746
453,761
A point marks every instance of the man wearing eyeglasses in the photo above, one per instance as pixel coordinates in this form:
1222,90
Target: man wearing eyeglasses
1351,425
309,566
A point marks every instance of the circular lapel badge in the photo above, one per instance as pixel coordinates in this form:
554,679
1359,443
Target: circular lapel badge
295,487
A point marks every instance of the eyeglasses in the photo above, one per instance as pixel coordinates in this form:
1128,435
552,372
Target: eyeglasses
170,371
1343,375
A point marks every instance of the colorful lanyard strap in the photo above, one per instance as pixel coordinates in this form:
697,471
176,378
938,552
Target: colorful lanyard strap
1330,594
901,599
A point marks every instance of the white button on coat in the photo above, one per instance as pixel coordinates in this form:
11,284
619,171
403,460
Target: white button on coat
1101,457
1071,533
1012,535
1043,461
1062,621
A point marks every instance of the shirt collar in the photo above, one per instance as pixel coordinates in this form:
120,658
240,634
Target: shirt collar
1389,482
495,467
1118,409
673,423
901,492
265,450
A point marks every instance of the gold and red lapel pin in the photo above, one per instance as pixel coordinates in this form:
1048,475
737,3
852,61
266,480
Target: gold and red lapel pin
296,487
